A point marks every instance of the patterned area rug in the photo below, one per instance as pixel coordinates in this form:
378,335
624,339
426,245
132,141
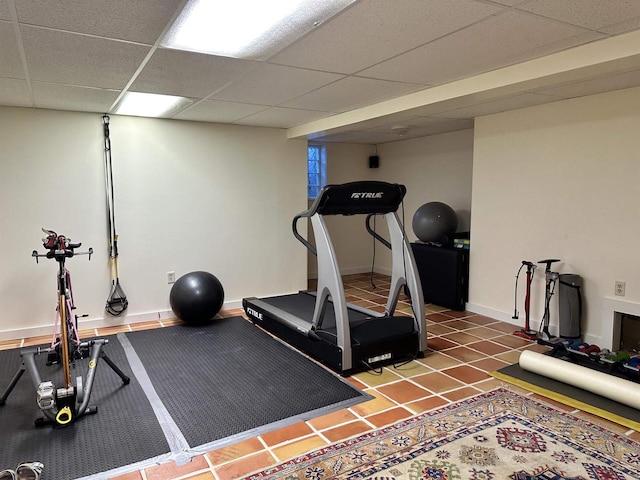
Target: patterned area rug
498,435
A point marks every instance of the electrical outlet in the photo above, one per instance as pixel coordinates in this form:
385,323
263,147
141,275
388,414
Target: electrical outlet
619,288
171,277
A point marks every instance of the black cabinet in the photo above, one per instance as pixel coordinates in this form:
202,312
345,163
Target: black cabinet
444,274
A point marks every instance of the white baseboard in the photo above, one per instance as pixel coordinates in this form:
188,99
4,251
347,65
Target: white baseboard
507,317
102,322
354,271
492,313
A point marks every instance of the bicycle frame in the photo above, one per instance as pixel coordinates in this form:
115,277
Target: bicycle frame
64,314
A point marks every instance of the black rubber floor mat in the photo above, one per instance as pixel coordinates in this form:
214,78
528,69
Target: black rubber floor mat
229,377
123,432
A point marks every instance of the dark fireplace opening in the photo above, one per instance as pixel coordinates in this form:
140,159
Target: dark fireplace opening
629,332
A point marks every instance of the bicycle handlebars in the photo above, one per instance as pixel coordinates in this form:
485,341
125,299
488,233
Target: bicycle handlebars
59,254
59,246
548,263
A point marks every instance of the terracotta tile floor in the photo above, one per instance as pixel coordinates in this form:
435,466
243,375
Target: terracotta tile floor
463,348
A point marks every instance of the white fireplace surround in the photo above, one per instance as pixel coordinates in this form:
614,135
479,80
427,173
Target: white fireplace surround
610,336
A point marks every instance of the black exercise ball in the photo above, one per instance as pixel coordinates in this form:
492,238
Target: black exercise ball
435,222
196,297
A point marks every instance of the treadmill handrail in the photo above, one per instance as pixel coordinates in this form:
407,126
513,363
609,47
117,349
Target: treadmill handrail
374,234
303,240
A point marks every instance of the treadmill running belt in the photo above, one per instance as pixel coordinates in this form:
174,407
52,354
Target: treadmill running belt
302,305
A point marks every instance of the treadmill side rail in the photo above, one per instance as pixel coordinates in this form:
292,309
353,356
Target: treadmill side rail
405,272
330,286
258,309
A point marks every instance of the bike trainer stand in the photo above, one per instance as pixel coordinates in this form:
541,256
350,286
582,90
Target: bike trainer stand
61,406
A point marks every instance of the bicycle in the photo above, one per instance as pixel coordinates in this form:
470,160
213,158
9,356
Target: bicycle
62,405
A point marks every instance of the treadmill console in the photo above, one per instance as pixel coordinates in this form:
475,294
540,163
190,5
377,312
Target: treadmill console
356,198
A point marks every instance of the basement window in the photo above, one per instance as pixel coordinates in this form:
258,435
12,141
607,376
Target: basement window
316,170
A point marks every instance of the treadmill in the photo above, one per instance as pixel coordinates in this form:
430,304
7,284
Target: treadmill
346,337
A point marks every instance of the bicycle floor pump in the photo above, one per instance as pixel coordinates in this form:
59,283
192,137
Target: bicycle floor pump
551,279
526,332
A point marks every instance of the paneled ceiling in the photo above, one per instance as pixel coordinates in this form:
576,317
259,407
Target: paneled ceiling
379,71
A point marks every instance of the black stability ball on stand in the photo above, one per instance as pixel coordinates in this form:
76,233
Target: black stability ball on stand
196,297
435,222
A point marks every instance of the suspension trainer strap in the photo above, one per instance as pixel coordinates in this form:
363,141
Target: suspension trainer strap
108,178
117,301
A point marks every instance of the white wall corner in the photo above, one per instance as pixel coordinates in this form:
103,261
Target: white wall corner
492,313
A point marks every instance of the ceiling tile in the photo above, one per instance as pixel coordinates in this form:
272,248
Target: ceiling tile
14,92
423,126
80,99
418,127
433,109
499,105
5,13
188,74
273,84
510,3
218,111
358,137
403,118
279,117
10,62
350,93
138,21
592,14
446,125
389,49
437,128
478,48
553,47
624,26
72,59
344,44
596,85
425,122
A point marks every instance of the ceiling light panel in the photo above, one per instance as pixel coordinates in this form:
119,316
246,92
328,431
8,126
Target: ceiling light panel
254,29
150,104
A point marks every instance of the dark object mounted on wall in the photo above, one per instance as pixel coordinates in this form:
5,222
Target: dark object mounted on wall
374,161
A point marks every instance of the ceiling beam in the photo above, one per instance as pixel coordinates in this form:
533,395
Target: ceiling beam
615,54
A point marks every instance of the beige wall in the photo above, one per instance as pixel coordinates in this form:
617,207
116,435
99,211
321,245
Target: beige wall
434,168
347,163
189,196
559,180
